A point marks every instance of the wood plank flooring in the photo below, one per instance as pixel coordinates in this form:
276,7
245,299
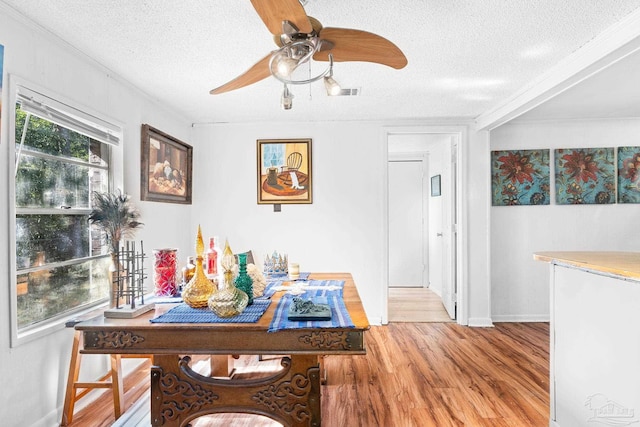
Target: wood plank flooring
417,375
415,305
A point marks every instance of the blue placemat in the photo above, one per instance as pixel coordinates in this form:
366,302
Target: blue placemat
285,276
339,315
324,288
270,289
185,314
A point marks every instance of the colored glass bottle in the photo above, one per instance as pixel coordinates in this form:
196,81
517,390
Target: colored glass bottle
244,281
229,301
212,259
188,270
197,292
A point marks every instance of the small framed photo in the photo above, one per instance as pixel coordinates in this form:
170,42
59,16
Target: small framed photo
435,186
284,171
166,167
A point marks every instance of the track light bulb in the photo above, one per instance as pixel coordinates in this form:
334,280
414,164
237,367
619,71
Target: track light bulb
333,88
287,99
285,67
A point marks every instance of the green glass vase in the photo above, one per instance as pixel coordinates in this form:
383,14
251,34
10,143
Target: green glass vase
244,282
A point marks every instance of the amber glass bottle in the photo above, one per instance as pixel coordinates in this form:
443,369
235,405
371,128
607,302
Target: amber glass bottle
197,292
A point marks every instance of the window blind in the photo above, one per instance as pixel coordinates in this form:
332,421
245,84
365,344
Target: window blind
64,115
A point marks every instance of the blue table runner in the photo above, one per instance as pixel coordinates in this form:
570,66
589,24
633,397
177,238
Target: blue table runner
184,314
333,297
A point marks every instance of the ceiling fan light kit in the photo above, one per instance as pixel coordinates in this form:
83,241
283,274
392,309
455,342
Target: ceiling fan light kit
288,58
303,40
332,86
286,101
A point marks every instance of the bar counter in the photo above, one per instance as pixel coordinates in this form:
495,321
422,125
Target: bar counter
595,338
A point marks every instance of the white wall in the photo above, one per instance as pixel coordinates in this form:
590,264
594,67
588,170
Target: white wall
34,374
476,232
340,231
344,228
519,285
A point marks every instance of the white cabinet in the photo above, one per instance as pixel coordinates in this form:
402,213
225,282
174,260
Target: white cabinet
595,348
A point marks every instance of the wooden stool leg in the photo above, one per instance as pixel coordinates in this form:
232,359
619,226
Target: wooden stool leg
72,378
113,379
221,365
323,370
116,385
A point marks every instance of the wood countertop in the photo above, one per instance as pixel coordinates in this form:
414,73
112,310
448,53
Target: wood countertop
620,264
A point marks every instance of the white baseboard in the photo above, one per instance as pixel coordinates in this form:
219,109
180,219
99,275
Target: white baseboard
138,414
553,424
521,318
52,419
480,322
376,321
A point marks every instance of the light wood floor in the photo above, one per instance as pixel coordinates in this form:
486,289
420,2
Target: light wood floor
416,305
418,375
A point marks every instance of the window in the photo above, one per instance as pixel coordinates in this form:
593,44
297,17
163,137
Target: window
61,263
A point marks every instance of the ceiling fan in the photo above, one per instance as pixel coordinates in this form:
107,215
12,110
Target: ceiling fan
302,38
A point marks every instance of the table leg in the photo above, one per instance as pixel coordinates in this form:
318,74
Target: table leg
290,396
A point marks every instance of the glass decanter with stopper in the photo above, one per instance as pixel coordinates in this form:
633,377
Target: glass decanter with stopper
244,282
197,292
229,301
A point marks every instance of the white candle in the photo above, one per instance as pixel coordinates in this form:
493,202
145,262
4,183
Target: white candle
294,271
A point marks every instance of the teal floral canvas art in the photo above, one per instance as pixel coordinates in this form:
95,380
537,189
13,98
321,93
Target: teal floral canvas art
628,174
585,176
520,177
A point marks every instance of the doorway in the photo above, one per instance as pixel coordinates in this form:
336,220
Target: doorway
408,240
422,218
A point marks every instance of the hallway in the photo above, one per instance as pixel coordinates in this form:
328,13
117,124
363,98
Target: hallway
416,305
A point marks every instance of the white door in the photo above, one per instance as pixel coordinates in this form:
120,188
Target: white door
447,236
406,224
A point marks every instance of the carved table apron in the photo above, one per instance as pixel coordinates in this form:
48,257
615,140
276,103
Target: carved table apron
290,396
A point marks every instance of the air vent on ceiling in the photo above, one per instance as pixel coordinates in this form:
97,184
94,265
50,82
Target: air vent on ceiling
349,92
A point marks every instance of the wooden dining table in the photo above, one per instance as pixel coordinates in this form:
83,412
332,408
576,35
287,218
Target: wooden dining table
179,394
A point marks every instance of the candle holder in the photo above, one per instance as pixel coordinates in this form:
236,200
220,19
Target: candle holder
165,269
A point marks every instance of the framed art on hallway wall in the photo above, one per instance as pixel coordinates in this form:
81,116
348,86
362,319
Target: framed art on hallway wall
165,167
435,186
284,171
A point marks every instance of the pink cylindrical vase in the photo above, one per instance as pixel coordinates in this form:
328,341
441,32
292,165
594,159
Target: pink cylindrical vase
165,271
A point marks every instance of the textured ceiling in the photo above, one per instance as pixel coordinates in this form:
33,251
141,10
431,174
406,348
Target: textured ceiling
465,57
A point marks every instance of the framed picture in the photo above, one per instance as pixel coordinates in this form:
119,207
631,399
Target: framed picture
628,174
435,186
520,177
284,171
585,176
166,168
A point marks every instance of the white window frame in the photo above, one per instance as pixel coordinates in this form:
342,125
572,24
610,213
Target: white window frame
111,132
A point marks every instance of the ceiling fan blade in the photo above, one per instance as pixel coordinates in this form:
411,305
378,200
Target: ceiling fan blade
260,70
357,45
273,12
